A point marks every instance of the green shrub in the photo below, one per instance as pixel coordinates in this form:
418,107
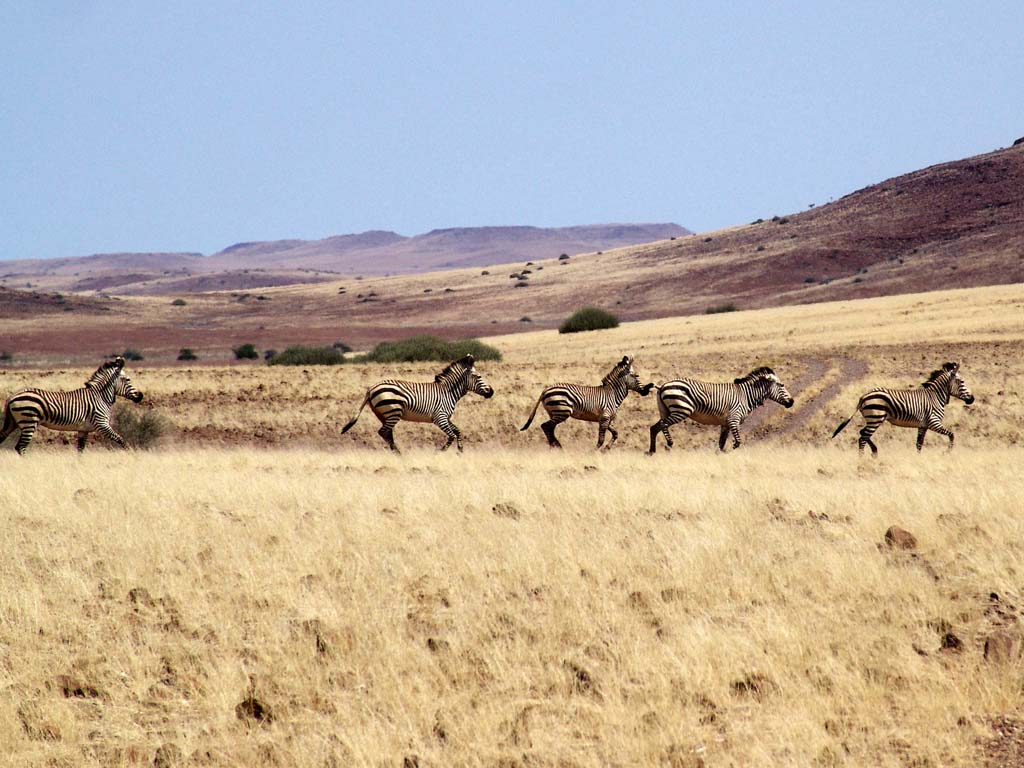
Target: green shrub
342,346
269,353
300,355
563,257
6,357
429,348
720,308
140,429
132,354
179,303
589,319
186,354
246,352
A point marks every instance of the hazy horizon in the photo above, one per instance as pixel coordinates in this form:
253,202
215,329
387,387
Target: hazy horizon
189,128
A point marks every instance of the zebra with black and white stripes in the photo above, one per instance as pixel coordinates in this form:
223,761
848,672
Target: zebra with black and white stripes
921,408
721,404
391,401
589,403
83,410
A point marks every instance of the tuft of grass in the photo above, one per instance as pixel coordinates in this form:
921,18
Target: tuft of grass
589,319
142,429
300,355
420,348
720,308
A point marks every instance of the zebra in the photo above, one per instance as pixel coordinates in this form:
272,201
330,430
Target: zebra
579,401
392,401
922,408
82,410
725,405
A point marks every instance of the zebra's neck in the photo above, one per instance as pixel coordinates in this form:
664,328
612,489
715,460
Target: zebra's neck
107,392
755,391
618,389
939,389
456,382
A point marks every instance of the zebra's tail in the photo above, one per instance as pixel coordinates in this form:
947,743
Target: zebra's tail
533,413
355,418
842,426
9,424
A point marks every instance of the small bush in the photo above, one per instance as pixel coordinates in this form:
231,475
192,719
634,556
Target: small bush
589,319
720,308
420,348
269,353
757,221
522,284
563,257
6,357
140,429
179,303
246,352
810,280
485,272
299,355
707,239
186,354
525,319
342,346
132,354
760,248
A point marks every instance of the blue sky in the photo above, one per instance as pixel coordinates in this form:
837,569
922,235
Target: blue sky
189,126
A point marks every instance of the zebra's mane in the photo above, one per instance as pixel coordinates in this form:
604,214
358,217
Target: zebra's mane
463,364
617,372
938,372
105,373
757,373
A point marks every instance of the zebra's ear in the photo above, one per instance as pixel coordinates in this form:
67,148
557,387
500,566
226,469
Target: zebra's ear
119,361
627,360
951,366
468,360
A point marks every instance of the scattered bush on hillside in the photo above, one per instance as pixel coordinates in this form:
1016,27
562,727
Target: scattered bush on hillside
179,303
342,346
269,353
132,354
246,352
6,357
589,319
420,348
563,257
141,429
522,284
300,355
186,354
810,279
720,308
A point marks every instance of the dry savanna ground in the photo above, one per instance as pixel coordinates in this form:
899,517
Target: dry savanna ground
263,590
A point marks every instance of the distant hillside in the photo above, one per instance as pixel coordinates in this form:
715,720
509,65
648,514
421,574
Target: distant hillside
281,262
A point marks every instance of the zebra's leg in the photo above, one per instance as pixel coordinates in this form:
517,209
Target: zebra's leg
943,431
723,435
27,432
865,436
662,426
920,438
614,434
454,436
734,430
548,427
83,438
108,432
602,427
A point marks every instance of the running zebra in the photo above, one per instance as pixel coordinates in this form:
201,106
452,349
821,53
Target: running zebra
82,410
391,401
922,408
579,401
724,405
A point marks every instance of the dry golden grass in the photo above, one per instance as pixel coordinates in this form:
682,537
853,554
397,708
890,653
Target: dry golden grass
514,606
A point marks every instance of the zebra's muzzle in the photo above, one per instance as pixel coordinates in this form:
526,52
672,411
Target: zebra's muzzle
789,403
968,400
488,394
136,398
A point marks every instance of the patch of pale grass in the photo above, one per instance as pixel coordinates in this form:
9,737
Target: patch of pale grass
618,610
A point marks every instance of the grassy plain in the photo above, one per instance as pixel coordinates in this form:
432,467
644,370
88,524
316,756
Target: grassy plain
514,606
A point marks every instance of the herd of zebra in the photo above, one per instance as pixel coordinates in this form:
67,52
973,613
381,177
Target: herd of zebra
725,405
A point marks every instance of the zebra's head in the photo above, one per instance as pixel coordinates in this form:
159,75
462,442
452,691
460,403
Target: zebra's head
123,387
474,381
772,385
626,374
957,386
